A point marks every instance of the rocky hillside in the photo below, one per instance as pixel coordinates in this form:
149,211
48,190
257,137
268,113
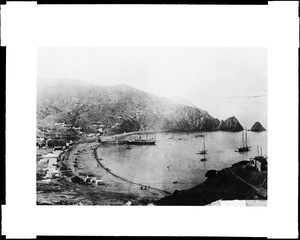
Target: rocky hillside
225,184
83,104
231,125
257,127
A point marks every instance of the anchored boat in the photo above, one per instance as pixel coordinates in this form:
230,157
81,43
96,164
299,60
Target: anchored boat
141,141
199,135
244,147
260,156
203,159
203,151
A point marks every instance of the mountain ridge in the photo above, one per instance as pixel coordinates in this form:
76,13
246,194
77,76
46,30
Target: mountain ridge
82,104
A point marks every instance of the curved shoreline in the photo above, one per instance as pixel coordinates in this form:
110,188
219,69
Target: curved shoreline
119,177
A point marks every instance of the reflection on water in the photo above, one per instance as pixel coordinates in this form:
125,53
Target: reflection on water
174,158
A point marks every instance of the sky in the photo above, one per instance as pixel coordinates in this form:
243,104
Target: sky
224,81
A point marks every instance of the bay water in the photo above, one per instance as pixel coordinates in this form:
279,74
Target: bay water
173,163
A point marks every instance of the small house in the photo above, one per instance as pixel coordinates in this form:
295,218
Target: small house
38,157
58,148
260,163
40,143
51,158
55,142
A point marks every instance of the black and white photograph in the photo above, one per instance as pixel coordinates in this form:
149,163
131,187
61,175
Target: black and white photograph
150,120
159,126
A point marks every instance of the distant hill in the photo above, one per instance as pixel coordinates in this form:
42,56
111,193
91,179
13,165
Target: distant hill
82,104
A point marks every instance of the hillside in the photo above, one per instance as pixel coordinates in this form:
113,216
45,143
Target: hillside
83,104
240,181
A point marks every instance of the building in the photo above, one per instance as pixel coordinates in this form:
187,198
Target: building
260,163
57,148
51,158
40,143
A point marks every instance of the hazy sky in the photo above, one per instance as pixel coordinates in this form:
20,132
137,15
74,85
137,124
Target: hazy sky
223,81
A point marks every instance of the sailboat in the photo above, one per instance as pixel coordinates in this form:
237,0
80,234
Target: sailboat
204,158
199,135
172,136
180,138
260,156
203,151
244,147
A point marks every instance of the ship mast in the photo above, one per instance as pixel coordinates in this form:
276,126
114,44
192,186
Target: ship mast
243,139
246,136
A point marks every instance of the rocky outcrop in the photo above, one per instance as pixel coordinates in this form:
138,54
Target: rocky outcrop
225,184
231,125
257,127
209,124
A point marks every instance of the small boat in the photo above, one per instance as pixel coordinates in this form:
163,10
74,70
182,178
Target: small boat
175,182
180,138
203,151
199,135
244,147
172,137
128,148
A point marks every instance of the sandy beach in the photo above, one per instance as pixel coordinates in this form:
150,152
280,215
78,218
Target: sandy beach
80,160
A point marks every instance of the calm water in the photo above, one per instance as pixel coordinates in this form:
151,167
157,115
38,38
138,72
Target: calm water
172,160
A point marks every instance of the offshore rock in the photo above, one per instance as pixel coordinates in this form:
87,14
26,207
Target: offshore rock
231,125
257,127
